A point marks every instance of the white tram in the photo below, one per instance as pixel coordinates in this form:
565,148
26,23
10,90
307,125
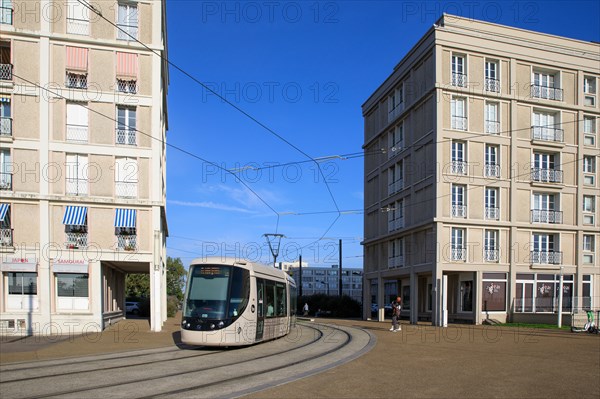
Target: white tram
230,303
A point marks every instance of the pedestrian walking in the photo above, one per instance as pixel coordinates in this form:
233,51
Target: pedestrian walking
396,308
305,308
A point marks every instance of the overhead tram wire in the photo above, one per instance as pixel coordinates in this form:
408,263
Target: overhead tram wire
268,129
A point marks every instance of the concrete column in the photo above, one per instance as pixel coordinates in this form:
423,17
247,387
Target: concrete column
414,297
478,297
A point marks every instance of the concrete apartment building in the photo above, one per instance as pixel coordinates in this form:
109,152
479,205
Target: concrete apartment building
82,151
326,280
481,176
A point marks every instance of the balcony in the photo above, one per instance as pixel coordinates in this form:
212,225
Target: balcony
78,26
6,237
548,93
396,261
492,85
546,175
126,32
6,71
492,127
126,189
5,126
395,224
545,133
76,80
393,114
459,122
491,255
459,211
6,15
77,186
546,216
77,133
76,240
458,167
395,187
459,79
395,150
127,242
492,213
492,170
546,257
5,181
126,136
458,254
127,86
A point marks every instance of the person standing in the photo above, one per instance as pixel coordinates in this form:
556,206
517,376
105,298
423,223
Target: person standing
396,308
305,309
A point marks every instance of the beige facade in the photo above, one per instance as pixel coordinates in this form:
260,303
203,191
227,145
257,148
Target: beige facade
82,181
486,191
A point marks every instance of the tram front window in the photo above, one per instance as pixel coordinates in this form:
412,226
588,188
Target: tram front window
217,292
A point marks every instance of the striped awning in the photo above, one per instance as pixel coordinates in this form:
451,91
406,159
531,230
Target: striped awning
77,58
127,65
3,211
75,216
125,218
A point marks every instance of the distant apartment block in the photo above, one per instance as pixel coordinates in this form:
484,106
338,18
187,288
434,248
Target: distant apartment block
326,280
481,176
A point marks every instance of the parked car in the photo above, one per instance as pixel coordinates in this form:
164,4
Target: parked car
132,307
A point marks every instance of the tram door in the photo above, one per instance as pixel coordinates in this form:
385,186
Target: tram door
260,314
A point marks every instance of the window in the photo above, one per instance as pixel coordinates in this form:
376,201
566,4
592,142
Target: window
127,72
126,126
492,212
76,67
588,243
77,122
396,103
6,66
396,178
589,203
6,12
22,283
5,170
5,117
396,253
545,168
546,85
396,140
72,291
545,127
126,177
492,76
543,249
395,215
76,174
589,90
125,229
458,158
78,20
586,291
492,121
457,245
127,22
589,167
459,113
6,239
544,209
490,246
493,292
589,130
459,71
538,293
459,209
76,227
492,166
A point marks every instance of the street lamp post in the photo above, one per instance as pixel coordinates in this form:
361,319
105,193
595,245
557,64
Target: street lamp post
327,284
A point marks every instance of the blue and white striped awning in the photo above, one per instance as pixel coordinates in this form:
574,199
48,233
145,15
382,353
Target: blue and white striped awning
125,218
3,211
75,216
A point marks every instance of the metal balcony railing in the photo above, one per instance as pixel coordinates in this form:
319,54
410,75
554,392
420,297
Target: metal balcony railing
6,15
492,170
395,224
6,237
492,213
395,261
127,242
458,167
491,255
549,93
125,31
126,136
76,240
395,186
546,133
459,211
78,26
395,150
492,85
5,181
459,79
6,71
5,126
492,127
547,175
76,186
76,80
77,133
126,189
127,86
459,122
546,216
458,253
546,257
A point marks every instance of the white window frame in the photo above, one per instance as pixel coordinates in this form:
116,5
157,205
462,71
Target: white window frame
490,245
458,70
458,111
589,243
492,160
458,242
128,19
589,164
589,203
492,117
492,76
491,203
76,173
126,177
458,200
71,303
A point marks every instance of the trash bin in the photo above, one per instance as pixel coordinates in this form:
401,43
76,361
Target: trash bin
381,314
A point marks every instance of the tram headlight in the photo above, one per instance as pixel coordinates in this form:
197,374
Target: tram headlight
221,324
212,326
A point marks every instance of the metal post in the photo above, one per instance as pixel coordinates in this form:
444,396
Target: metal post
300,278
560,298
340,256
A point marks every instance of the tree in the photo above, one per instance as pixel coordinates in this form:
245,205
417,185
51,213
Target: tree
175,277
137,286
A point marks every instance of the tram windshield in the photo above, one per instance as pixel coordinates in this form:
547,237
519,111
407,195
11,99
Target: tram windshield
217,292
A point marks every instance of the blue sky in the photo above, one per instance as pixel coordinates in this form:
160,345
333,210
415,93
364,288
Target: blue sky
301,69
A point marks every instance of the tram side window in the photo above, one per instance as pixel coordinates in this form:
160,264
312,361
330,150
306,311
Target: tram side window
260,295
239,292
270,298
281,300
